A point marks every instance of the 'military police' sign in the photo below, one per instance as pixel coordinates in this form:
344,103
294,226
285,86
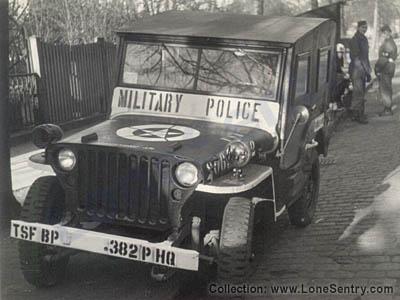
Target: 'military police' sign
246,112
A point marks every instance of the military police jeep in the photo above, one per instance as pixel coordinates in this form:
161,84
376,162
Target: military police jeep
216,123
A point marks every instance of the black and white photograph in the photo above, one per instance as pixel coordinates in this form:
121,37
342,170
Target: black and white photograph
199,149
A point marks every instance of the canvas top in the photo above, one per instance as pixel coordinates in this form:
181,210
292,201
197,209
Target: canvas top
282,29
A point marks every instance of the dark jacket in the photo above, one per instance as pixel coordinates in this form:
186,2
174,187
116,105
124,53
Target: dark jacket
387,50
359,53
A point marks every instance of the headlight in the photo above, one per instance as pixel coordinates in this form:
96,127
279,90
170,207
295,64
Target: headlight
187,174
238,153
66,159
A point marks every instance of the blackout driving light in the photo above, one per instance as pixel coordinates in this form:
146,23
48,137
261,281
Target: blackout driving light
66,159
187,174
238,153
46,134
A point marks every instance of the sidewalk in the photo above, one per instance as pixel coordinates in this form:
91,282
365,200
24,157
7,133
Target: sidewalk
23,174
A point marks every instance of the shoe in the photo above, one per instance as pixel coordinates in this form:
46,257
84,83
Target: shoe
360,117
386,113
362,120
357,116
353,115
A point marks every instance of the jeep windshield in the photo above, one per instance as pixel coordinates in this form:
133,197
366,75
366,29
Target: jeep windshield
232,72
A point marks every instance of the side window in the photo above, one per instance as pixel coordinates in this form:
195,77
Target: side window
302,77
323,67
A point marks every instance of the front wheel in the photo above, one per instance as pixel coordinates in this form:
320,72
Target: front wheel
235,248
302,211
43,265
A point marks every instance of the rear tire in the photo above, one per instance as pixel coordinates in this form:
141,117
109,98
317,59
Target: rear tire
302,211
235,247
41,264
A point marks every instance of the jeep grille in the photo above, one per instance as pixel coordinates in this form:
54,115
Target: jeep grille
132,188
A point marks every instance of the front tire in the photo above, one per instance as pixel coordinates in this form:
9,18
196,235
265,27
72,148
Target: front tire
235,248
302,211
41,264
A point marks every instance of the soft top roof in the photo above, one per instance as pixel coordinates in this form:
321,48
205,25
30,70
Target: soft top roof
225,26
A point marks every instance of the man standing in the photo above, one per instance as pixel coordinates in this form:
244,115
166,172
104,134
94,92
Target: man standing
360,71
384,70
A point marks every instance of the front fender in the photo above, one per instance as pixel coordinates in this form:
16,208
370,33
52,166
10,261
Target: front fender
39,158
38,162
228,184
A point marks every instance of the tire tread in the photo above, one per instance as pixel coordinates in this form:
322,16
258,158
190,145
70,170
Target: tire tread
236,238
32,254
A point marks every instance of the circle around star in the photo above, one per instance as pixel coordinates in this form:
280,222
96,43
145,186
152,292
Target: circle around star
158,133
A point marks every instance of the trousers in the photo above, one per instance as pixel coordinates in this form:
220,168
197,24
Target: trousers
359,82
385,89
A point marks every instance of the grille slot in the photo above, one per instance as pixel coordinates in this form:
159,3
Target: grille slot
133,188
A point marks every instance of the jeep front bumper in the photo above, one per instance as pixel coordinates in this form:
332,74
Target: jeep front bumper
108,244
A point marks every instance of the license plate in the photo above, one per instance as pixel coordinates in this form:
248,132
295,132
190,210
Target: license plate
121,248
108,244
33,233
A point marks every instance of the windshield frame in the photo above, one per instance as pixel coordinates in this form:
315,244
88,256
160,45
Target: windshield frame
230,47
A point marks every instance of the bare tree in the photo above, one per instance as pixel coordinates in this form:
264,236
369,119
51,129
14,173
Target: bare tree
75,21
81,21
17,42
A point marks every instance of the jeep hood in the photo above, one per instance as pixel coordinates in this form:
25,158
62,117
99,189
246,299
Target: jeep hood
192,139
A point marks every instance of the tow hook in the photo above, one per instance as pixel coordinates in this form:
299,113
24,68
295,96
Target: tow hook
211,240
